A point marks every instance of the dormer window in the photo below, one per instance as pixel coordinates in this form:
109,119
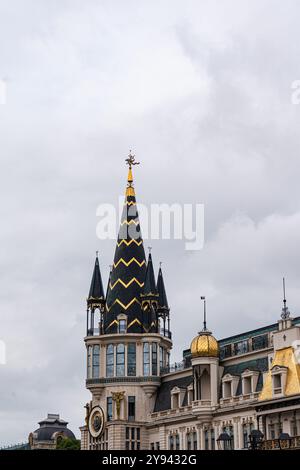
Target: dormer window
122,323
229,385
249,381
279,374
177,396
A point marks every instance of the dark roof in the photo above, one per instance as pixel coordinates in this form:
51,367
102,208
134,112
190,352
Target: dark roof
96,289
150,284
163,301
128,271
163,397
51,425
45,433
259,365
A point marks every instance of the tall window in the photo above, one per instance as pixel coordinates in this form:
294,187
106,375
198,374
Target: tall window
195,440
171,442
206,444
131,359
120,360
131,408
177,442
189,441
122,326
161,357
96,354
110,360
109,408
146,355
89,358
212,439
154,358
133,439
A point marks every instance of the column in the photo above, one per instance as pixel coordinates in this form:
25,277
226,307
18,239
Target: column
199,437
235,433
241,434
182,433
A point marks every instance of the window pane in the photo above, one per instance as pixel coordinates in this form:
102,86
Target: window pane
131,359
120,360
89,362
109,408
96,354
146,355
131,408
122,326
110,361
154,358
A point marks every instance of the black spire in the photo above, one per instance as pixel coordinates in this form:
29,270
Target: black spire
150,284
96,289
129,268
162,299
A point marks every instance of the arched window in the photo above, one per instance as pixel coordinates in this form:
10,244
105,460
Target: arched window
120,360
96,356
146,359
110,360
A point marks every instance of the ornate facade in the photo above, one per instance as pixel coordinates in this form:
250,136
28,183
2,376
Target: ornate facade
228,387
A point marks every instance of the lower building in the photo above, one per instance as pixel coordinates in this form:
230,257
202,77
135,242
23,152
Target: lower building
228,393
52,429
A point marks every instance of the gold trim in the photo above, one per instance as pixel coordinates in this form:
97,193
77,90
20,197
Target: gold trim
114,321
129,243
130,191
121,260
117,301
136,320
131,222
134,279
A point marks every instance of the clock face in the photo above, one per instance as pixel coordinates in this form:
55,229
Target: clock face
96,421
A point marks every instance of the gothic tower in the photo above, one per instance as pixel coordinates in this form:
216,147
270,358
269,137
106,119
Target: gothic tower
128,340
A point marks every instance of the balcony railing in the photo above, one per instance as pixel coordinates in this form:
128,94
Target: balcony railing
176,367
245,346
275,444
96,332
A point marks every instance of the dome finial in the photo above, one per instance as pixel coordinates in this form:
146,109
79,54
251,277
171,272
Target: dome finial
204,313
285,314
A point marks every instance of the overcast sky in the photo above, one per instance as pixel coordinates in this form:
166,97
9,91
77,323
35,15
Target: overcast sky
201,91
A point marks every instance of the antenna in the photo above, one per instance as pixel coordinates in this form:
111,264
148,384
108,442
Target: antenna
285,311
204,313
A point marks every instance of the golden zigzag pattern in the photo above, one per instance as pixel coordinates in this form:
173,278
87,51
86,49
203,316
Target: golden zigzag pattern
131,222
130,242
129,203
133,260
136,320
134,279
117,301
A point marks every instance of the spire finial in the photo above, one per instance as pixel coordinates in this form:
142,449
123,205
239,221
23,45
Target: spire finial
149,249
285,311
204,313
97,254
160,263
130,161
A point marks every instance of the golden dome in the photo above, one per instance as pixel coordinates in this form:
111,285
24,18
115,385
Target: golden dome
205,345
